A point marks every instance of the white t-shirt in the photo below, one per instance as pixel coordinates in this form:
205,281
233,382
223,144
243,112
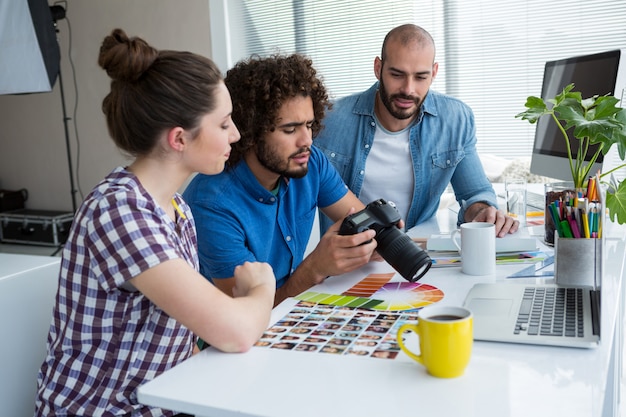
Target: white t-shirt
389,170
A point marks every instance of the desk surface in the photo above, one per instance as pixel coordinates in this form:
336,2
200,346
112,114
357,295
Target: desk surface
501,379
13,264
27,287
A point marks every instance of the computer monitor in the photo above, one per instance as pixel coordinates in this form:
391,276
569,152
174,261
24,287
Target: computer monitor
596,74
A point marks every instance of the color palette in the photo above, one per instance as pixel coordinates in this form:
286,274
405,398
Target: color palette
377,293
369,285
338,300
402,296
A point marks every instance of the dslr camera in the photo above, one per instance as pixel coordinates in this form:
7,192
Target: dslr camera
395,246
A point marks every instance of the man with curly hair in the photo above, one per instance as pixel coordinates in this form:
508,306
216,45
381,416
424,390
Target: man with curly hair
262,207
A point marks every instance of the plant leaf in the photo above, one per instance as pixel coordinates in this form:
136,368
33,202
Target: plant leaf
616,203
567,93
594,120
536,108
620,134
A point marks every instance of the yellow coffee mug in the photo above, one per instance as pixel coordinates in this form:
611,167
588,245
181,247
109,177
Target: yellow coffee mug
445,339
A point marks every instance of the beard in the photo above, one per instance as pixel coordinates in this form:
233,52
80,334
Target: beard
269,158
387,101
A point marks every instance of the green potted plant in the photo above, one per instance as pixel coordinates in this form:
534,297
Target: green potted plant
593,120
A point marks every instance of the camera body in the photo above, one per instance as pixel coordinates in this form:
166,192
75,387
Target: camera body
395,246
377,216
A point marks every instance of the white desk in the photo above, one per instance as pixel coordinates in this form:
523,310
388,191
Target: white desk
28,284
501,380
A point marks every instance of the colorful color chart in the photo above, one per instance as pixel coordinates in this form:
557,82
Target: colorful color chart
402,296
369,285
338,300
375,292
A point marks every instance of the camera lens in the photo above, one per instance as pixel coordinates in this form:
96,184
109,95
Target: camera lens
404,255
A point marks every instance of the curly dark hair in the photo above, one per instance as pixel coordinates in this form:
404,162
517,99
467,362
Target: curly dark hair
260,86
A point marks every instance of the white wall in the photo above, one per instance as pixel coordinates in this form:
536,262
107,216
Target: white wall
32,137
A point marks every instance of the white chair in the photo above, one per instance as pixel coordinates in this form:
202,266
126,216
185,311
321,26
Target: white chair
28,286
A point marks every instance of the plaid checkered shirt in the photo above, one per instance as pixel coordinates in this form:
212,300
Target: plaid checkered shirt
106,338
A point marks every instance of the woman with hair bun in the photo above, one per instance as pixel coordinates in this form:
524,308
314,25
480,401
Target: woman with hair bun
131,301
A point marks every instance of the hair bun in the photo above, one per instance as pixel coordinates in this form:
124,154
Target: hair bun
124,58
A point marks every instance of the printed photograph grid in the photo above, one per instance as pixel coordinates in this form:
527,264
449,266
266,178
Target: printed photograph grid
313,327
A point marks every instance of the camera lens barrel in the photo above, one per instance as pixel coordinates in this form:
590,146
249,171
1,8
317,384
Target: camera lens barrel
395,246
402,253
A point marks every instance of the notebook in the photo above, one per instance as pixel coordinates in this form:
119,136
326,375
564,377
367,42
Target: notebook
505,312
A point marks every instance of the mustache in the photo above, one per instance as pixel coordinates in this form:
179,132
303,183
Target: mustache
305,149
405,97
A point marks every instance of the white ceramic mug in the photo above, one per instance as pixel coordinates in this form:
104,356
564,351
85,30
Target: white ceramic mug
477,247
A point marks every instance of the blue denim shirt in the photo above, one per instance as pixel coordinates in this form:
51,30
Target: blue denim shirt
442,145
238,220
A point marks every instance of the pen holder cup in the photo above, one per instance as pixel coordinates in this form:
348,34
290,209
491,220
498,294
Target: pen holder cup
577,262
554,191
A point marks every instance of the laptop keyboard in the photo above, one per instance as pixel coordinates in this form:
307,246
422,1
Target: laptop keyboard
551,312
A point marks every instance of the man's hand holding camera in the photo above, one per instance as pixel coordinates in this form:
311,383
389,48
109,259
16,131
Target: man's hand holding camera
398,249
334,254
373,233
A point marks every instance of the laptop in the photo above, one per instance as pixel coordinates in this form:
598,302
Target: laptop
506,312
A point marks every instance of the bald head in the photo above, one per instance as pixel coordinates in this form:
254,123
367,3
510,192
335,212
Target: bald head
406,35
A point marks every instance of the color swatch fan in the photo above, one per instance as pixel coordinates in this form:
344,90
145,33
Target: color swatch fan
377,293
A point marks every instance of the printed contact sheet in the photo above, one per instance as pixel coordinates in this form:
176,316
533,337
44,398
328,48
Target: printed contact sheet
339,330
361,321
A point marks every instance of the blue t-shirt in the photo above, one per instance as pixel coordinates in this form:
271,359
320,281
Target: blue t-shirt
238,220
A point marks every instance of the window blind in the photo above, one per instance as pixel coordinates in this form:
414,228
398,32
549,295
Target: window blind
491,53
